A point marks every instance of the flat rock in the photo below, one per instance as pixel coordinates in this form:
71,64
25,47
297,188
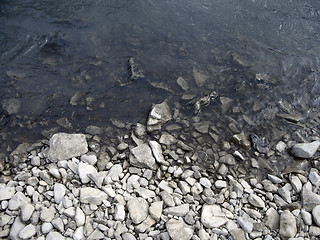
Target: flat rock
256,201
92,195
212,216
179,211
17,200
146,224
141,156
6,193
178,230
305,150
138,209
157,152
288,227
64,146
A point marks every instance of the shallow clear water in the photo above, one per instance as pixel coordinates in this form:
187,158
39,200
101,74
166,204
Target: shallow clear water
50,50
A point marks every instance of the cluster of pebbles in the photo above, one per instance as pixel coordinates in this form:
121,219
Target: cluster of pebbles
149,187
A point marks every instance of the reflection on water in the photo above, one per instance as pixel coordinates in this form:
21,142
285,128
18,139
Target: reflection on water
257,53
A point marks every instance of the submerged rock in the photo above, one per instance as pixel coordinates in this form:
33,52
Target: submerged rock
261,144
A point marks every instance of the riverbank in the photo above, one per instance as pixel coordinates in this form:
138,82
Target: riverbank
155,183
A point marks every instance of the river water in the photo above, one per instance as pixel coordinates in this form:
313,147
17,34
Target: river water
258,53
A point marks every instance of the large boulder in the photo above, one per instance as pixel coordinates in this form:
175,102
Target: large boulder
64,146
159,115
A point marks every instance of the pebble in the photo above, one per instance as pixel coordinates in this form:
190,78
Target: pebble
256,201
179,211
212,216
155,210
28,232
316,214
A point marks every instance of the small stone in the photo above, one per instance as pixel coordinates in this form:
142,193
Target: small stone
167,139
167,198
59,190
84,169
296,184
179,211
238,234
183,83
146,224
228,159
314,177
92,195
202,127
157,152
138,209
128,236
205,182
54,236
17,200
288,228
220,184
114,172
256,201
165,186
281,146
314,231
80,217
64,146
119,212
79,234
159,115
272,219
95,235
178,230
241,141
58,224
309,198
26,211
274,179
212,216
306,217
89,158
47,214
155,210
316,214
16,228
35,161
28,232
245,223
141,156
6,193
305,150
46,227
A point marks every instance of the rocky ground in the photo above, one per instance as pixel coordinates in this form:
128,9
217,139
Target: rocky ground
149,186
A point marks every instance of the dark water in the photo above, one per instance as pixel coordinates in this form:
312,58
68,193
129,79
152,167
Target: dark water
50,50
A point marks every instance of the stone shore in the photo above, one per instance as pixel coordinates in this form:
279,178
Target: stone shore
148,187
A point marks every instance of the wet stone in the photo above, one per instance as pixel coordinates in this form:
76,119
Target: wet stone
261,144
183,83
202,127
241,141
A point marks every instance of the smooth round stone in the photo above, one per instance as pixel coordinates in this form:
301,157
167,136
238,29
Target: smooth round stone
316,214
